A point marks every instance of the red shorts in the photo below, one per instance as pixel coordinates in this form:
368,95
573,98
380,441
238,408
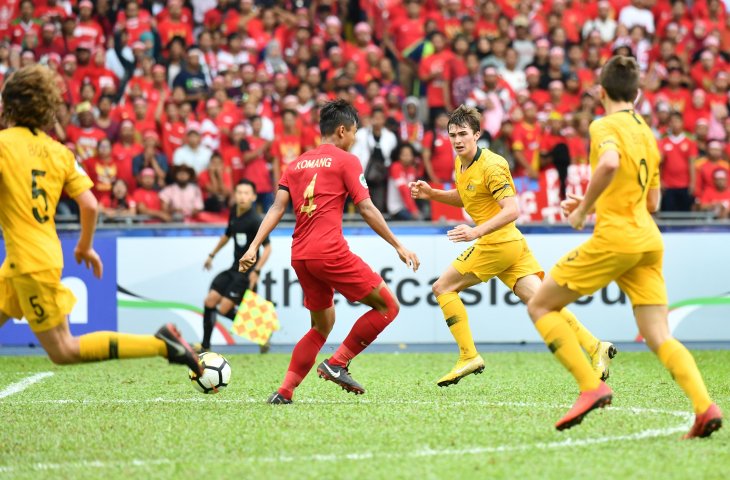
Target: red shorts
349,275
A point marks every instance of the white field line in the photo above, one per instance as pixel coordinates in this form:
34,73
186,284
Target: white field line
21,385
424,452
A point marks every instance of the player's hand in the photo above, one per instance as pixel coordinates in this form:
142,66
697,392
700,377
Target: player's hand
420,190
570,204
91,260
577,219
253,279
462,233
247,261
208,264
409,258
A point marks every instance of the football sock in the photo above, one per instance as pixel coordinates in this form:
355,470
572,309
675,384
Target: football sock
587,341
208,325
562,342
302,359
109,345
458,323
680,363
365,330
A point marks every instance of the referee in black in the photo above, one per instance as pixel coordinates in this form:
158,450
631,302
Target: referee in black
229,286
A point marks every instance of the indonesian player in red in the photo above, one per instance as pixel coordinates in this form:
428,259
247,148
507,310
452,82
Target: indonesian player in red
318,183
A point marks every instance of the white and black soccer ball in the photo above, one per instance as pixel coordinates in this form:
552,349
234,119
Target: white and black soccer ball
216,373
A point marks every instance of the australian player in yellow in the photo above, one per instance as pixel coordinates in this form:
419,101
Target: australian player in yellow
486,190
626,246
34,170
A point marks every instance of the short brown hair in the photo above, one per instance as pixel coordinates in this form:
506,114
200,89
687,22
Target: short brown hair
620,78
30,97
466,117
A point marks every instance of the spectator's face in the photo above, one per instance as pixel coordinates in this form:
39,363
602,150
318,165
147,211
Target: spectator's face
256,126
675,78
698,100
244,196
194,60
289,121
676,124
413,8
701,131
714,152
119,190
132,10
26,10
378,119
438,42
69,68
511,59
721,82
205,41
86,119
720,182
490,80
442,122
530,112
175,10
140,110
126,133
213,110
147,182
105,149
557,60
412,110
182,177
472,64
406,156
708,61
193,139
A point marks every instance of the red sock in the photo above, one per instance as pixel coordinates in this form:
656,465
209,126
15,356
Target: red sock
302,359
365,331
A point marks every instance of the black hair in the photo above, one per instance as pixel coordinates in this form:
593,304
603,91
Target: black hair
336,113
245,181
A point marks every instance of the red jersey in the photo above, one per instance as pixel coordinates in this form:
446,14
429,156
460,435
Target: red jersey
677,99
173,137
526,138
286,149
677,153
436,87
86,140
257,169
123,156
319,181
148,198
442,154
169,29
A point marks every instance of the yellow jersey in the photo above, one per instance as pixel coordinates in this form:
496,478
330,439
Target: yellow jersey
481,186
34,170
623,224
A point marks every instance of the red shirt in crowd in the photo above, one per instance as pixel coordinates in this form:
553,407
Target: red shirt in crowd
319,181
677,154
148,198
442,154
526,138
704,172
436,87
86,140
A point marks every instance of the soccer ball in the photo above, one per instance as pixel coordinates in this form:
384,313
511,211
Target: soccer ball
216,373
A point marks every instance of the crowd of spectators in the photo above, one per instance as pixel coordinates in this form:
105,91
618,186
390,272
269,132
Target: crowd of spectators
169,103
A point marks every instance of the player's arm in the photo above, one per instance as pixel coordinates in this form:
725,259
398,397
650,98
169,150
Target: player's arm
84,251
270,221
423,190
510,210
375,220
653,200
608,164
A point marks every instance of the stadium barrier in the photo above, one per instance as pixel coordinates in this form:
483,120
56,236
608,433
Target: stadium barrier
155,275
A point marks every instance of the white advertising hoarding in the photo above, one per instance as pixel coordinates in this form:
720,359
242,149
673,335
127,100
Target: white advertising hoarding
161,279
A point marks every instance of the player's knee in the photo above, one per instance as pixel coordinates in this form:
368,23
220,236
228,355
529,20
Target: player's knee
210,302
391,307
534,310
438,288
63,356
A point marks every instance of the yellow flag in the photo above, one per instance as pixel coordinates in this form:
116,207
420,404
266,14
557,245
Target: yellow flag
256,319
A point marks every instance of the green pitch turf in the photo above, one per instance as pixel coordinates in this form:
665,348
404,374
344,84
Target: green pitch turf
142,419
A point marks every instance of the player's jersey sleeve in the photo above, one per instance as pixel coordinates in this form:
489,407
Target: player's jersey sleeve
284,181
77,181
498,180
354,179
605,139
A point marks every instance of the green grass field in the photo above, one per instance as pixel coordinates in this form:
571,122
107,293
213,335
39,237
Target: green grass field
142,419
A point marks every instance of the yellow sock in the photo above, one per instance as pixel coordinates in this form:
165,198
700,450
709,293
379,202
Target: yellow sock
108,345
561,340
683,368
458,322
587,341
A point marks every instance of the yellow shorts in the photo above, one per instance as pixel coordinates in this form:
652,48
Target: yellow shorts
639,275
508,261
40,297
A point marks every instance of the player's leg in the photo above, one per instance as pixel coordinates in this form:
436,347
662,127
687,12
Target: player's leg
219,288
446,290
646,288
318,299
357,282
545,311
305,354
366,329
601,353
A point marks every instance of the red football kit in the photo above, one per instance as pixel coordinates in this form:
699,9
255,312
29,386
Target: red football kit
319,181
